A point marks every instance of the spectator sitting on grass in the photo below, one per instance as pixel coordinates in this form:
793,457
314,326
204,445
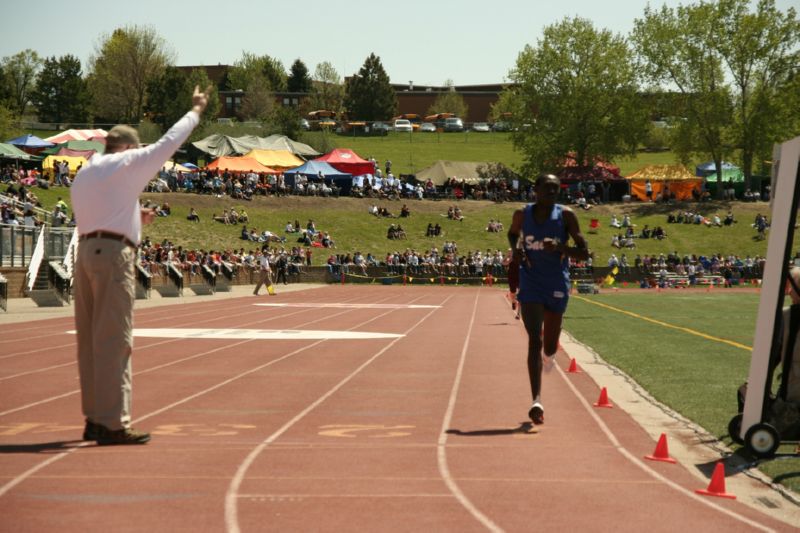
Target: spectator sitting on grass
223,218
495,226
405,212
193,216
729,219
614,222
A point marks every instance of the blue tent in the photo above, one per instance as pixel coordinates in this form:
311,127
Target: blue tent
312,169
30,141
708,168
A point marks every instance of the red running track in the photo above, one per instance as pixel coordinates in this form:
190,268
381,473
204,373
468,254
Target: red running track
425,431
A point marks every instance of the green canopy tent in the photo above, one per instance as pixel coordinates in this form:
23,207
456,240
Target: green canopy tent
9,151
732,178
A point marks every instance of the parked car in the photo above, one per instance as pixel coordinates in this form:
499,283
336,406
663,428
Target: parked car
427,126
381,126
304,124
402,124
453,125
501,125
480,126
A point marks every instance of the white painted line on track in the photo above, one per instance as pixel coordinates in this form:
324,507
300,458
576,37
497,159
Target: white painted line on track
232,495
441,449
31,471
258,334
171,363
324,305
638,462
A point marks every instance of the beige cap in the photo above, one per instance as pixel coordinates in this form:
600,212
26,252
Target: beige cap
122,135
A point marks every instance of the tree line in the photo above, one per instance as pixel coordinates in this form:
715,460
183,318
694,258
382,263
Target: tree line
723,75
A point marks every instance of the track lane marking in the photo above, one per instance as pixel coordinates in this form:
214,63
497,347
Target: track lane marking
231,496
441,448
31,471
666,324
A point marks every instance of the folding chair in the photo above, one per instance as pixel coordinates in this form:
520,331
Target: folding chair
593,225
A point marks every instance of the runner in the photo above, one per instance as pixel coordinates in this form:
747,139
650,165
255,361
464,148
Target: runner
544,228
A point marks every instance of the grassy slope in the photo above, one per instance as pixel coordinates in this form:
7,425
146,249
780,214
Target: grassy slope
347,221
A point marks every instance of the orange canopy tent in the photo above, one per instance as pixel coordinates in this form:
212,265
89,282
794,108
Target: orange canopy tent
676,178
239,164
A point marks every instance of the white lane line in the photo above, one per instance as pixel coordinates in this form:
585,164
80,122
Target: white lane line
257,334
174,362
36,371
22,477
231,497
441,452
325,305
638,462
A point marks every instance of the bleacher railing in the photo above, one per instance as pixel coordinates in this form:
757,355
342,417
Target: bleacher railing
17,244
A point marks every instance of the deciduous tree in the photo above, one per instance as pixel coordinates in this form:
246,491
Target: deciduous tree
327,91
577,92
675,46
123,65
19,78
760,50
449,101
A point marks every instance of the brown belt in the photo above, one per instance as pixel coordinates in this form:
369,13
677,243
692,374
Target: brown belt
107,235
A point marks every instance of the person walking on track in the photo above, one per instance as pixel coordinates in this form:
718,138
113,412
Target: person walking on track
266,273
542,230
105,199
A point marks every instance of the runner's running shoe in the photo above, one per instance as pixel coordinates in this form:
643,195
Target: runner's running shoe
536,414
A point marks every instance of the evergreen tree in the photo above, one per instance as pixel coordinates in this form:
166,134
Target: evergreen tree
368,94
61,94
299,81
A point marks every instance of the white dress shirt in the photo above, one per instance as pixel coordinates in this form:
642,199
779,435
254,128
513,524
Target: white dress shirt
105,194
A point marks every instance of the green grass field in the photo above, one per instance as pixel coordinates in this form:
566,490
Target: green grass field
696,376
412,152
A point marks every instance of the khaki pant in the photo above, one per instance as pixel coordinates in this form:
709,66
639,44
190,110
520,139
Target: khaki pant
104,296
264,279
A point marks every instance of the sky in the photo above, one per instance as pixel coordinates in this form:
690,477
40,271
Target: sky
426,42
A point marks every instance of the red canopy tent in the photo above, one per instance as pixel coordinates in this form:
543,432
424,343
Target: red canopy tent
599,171
240,164
347,161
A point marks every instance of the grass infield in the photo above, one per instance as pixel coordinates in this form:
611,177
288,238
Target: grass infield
690,350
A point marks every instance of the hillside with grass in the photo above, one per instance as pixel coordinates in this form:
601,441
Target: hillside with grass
353,228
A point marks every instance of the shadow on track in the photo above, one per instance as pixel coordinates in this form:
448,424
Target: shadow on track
524,427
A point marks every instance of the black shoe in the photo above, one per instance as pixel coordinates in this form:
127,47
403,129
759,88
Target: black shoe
91,431
536,414
122,436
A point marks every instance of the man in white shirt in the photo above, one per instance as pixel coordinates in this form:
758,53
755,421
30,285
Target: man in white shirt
105,200
265,275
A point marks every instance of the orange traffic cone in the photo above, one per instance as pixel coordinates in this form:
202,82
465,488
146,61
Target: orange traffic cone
603,400
662,452
717,485
573,367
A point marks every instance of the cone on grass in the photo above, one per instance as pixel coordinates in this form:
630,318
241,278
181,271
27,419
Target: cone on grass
717,485
602,401
573,367
661,452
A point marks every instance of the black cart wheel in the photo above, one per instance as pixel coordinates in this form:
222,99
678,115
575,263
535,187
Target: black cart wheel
762,440
734,427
